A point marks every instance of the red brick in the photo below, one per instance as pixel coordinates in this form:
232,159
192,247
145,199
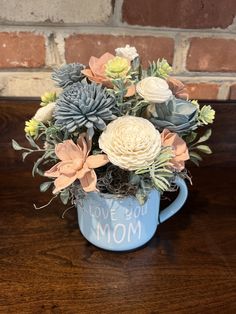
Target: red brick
232,92
79,48
212,55
205,91
179,13
22,50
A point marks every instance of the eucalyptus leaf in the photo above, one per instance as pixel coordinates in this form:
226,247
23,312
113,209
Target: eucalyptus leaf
36,164
32,142
195,161
64,196
40,172
195,155
25,154
45,186
205,137
191,137
204,148
16,146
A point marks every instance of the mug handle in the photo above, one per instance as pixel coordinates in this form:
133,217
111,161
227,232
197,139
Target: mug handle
177,203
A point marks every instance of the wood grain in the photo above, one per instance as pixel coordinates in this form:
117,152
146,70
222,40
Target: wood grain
46,266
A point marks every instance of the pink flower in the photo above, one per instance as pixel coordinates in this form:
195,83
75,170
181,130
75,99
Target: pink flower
178,88
179,147
96,72
76,164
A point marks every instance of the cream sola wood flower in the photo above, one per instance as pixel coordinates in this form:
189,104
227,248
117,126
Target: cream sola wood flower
44,114
154,89
130,142
127,52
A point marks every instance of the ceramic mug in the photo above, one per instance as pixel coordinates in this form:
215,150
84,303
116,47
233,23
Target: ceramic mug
122,224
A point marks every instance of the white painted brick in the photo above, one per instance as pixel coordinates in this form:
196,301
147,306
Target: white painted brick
56,11
22,84
34,84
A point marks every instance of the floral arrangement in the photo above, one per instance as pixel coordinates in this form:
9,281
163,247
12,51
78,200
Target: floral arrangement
115,128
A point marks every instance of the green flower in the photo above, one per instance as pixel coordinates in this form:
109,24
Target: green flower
117,67
31,127
161,69
206,115
48,97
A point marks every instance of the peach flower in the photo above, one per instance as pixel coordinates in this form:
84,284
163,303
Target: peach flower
97,72
178,88
76,164
179,147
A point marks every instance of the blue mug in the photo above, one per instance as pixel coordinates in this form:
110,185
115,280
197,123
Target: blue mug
122,224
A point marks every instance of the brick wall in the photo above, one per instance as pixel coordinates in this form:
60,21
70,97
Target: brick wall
196,36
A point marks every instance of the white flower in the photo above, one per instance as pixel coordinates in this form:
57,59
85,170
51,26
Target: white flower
154,89
130,142
44,114
127,52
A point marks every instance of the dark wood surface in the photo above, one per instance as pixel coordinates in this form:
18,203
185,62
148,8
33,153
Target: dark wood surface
46,266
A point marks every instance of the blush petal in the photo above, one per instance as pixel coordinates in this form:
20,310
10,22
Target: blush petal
53,172
96,161
89,181
63,182
68,150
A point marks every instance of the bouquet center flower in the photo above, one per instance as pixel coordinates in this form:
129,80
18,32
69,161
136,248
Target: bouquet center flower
130,142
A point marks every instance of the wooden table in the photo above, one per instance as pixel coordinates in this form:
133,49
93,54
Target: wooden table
46,266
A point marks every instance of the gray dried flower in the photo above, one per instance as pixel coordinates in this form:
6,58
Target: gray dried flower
84,105
68,74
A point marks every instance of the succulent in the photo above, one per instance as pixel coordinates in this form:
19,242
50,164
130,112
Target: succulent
117,67
206,114
68,74
176,115
84,105
160,68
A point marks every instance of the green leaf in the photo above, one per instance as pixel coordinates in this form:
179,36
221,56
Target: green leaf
64,196
32,142
16,146
45,185
25,154
204,148
195,161
36,164
195,155
205,137
40,172
191,137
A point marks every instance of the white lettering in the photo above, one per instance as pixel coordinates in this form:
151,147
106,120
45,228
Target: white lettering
134,229
137,212
144,210
123,231
128,213
105,230
113,214
105,213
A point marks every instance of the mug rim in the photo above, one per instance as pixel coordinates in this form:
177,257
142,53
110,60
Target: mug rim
118,196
